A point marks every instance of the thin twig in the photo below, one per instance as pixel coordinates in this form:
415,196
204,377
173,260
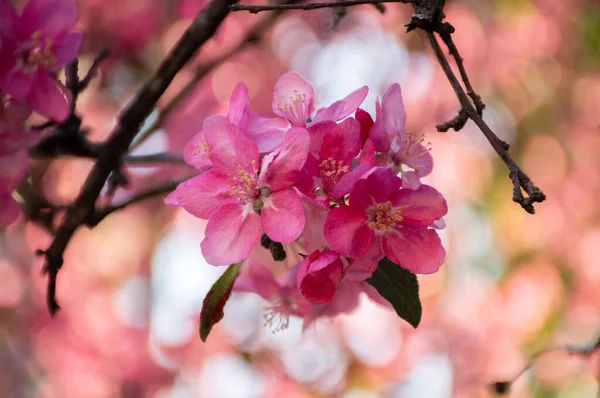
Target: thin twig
502,387
310,6
156,190
201,29
174,158
518,177
446,36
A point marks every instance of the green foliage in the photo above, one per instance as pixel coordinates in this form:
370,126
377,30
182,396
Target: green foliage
400,288
216,298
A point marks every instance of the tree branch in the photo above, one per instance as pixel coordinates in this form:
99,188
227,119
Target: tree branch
161,189
503,387
310,6
201,29
518,177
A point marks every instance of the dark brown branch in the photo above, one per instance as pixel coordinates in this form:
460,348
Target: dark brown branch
201,29
173,158
157,190
310,6
521,181
252,37
503,387
446,35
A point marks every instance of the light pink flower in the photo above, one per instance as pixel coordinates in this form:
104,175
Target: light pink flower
319,275
38,44
397,147
294,99
283,295
239,204
395,221
267,132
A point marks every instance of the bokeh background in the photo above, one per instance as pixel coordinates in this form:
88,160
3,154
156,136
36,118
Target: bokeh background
513,284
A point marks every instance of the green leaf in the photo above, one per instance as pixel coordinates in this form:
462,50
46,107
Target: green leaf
217,296
400,288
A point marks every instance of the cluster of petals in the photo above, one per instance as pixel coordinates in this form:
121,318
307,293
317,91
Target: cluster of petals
34,46
339,190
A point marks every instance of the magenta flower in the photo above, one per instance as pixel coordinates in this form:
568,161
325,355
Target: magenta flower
328,171
294,99
382,219
238,203
397,147
36,45
319,275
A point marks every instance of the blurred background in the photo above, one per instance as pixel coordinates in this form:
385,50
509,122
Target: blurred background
513,283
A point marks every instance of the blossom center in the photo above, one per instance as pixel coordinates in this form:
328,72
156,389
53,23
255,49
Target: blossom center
244,184
415,146
201,150
277,316
294,106
37,53
332,170
384,218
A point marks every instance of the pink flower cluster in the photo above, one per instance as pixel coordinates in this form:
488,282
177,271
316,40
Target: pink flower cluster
34,46
335,189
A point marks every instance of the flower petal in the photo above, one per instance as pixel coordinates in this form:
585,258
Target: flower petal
283,216
8,21
419,207
341,141
363,267
18,83
375,188
293,98
195,152
256,278
418,250
49,16
281,169
202,195
394,113
49,97
318,276
346,183
347,231
66,47
342,108
230,234
239,106
366,122
378,134
229,147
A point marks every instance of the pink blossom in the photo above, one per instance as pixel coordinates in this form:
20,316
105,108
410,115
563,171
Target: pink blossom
38,44
238,203
328,172
267,132
382,219
319,275
397,147
294,99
